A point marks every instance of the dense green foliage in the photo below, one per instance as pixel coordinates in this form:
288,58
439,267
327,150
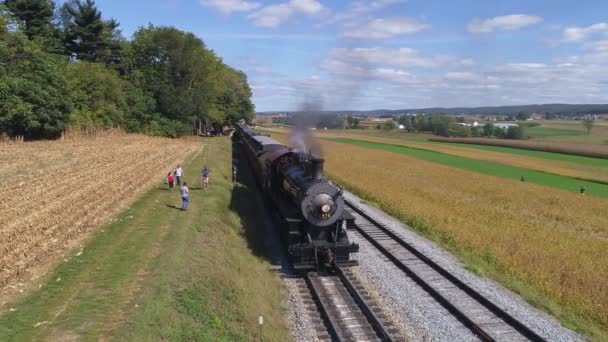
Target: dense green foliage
71,67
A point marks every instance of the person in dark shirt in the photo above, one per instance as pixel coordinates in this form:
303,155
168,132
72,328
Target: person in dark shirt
205,175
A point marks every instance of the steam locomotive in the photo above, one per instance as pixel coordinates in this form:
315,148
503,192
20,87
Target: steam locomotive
311,207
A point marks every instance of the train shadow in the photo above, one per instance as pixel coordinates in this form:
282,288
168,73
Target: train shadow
248,202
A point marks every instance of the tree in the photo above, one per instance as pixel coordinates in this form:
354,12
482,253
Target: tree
352,121
34,101
99,96
87,36
36,16
488,130
523,116
588,123
515,132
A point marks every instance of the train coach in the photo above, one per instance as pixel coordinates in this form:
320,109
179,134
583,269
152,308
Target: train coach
311,208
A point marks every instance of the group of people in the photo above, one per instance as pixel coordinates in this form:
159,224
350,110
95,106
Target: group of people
175,178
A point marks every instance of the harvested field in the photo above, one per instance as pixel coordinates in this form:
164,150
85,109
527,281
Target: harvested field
53,193
577,150
547,244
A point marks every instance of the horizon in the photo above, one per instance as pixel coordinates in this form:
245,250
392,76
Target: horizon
428,108
396,53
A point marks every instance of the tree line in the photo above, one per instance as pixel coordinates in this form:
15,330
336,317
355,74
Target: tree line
449,126
68,66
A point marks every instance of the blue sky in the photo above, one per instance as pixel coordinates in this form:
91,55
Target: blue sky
397,53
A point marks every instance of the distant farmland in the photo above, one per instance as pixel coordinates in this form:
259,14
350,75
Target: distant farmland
490,168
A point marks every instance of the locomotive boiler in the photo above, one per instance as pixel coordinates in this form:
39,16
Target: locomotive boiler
314,221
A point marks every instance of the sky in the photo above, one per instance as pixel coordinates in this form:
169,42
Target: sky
396,54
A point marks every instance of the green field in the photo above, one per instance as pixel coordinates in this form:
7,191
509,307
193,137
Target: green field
537,154
489,168
543,132
158,273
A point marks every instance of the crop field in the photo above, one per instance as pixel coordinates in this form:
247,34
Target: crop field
559,146
583,168
547,244
543,132
53,193
489,168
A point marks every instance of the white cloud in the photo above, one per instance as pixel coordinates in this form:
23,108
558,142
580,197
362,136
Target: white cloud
507,22
576,34
386,28
275,15
361,8
371,78
229,6
375,58
599,46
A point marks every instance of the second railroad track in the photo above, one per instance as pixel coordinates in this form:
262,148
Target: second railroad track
485,319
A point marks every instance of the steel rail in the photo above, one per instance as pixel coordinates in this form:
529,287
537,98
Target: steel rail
469,322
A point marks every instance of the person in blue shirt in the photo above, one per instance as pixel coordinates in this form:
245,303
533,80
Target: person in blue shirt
185,193
205,174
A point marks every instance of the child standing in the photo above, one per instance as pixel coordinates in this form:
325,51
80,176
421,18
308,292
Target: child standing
171,181
205,174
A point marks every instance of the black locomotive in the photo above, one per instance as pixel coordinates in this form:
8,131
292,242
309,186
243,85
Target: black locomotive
311,207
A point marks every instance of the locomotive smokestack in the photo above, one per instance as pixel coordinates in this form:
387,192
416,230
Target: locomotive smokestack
317,168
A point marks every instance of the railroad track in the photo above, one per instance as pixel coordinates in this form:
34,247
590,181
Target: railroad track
485,319
345,308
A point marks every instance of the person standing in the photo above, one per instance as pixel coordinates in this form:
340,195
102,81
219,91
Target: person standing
171,181
185,196
583,190
205,174
179,173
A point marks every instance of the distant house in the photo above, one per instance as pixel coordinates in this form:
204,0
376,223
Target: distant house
505,125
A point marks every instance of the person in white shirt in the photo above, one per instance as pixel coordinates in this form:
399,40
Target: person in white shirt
185,196
179,173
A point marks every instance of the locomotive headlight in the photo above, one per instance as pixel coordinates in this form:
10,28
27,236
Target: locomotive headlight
326,208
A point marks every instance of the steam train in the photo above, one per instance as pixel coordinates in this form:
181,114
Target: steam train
311,208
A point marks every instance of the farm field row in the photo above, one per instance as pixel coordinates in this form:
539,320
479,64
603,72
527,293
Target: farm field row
547,244
584,168
53,193
488,168
157,273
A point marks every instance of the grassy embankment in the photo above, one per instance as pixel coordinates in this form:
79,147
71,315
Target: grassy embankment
488,168
158,273
546,244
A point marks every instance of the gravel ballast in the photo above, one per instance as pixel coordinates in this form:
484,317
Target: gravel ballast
418,315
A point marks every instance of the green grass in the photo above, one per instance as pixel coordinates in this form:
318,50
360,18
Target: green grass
537,154
489,168
543,132
158,273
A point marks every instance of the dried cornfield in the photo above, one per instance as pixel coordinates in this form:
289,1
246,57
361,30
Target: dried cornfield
53,193
553,241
